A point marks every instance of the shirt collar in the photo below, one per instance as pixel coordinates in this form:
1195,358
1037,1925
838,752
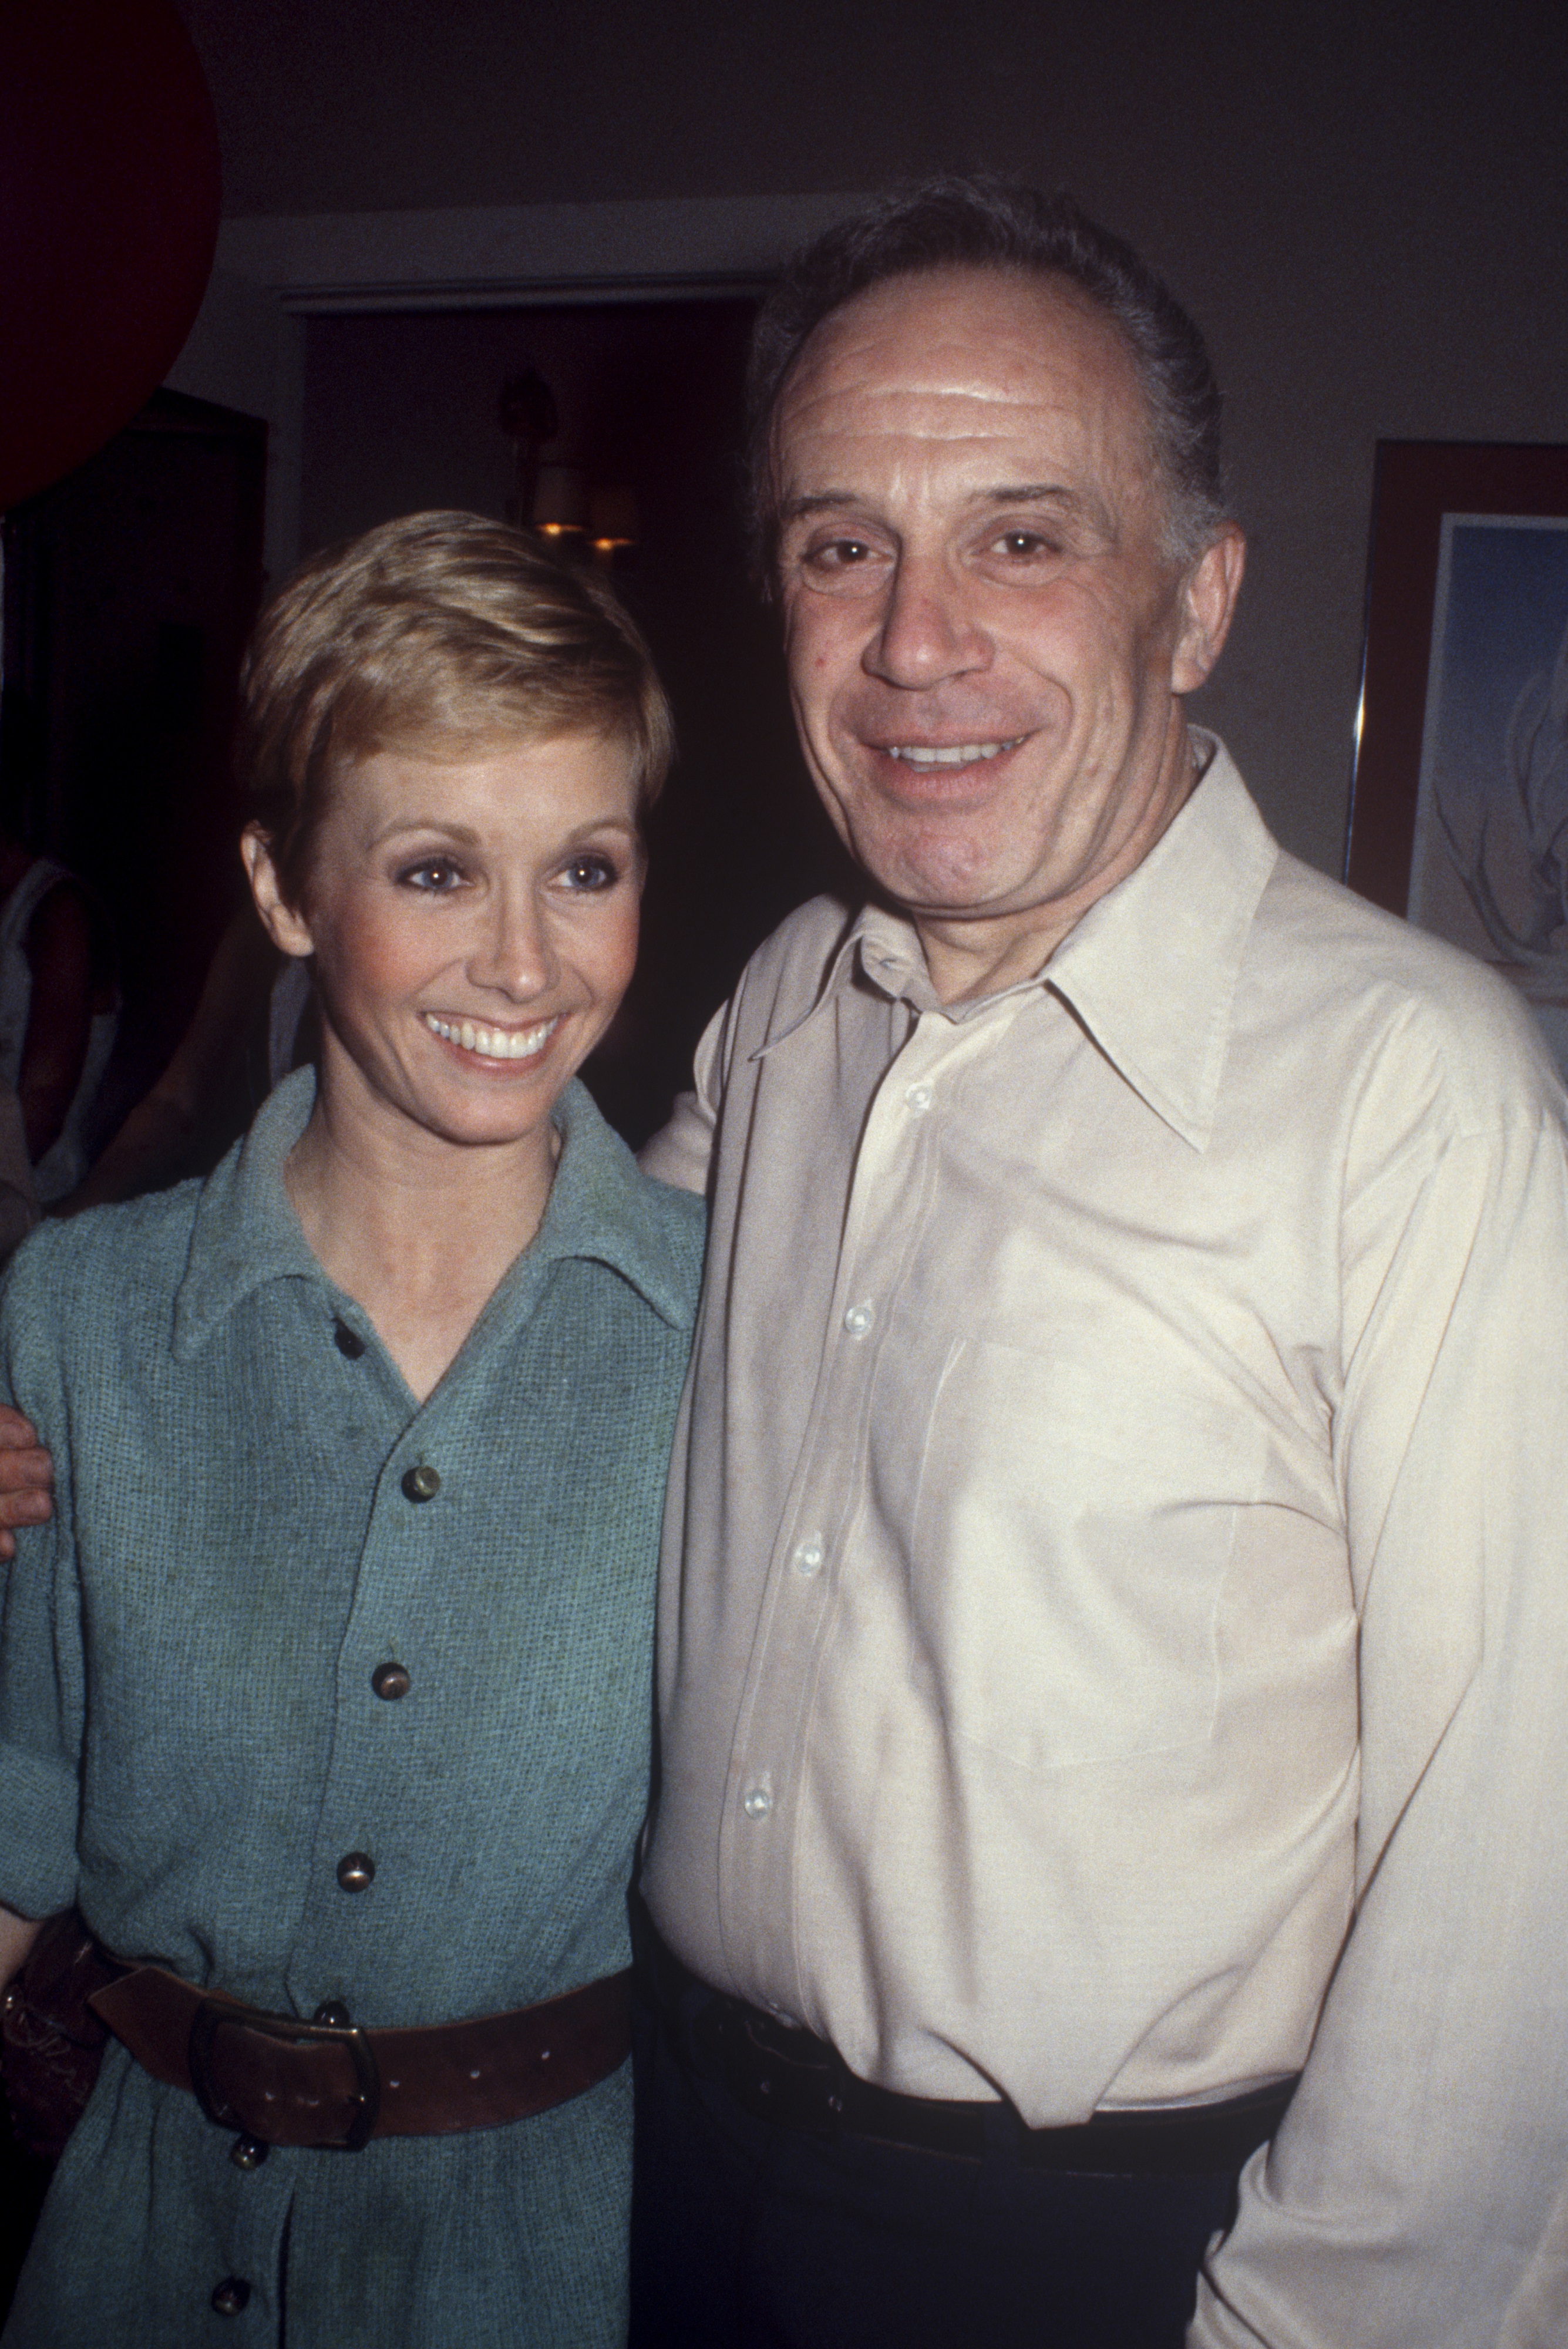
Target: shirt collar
247,1233
1151,968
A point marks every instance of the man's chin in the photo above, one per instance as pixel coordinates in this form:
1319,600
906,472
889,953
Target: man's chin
929,890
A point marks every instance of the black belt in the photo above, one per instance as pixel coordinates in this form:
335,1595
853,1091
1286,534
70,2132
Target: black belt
788,2077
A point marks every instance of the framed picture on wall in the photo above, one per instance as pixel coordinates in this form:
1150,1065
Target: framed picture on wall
1458,809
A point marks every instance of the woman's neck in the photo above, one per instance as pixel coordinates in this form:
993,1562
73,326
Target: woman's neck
419,1231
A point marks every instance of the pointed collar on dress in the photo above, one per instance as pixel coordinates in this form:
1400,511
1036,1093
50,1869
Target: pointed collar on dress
247,1232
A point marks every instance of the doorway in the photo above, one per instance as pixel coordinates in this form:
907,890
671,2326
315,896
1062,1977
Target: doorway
403,411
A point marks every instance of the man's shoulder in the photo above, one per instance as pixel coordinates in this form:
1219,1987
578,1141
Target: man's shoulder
810,937
1331,965
785,975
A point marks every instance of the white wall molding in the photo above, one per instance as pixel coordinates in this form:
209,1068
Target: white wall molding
247,347
492,256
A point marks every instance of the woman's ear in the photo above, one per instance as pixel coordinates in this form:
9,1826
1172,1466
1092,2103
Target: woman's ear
287,930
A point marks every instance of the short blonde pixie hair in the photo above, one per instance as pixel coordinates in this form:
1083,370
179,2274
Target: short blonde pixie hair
436,628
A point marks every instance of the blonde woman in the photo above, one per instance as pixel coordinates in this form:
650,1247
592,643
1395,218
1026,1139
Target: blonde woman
343,1755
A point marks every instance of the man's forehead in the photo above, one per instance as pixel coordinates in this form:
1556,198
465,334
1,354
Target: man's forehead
985,368
929,318
958,350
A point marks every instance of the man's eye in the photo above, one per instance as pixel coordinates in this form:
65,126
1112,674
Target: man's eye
591,873
838,554
1024,544
433,875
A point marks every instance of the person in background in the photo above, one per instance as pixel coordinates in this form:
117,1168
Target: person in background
325,1697
18,1199
59,1010
240,1039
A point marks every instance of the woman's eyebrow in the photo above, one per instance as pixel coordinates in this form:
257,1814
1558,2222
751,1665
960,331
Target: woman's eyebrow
436,824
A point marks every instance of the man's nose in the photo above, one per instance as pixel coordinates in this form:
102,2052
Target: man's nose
512,951
928,631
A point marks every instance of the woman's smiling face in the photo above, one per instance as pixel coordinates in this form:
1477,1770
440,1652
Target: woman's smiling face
474,922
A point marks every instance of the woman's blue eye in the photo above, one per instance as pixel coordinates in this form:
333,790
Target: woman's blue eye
591,873
435,872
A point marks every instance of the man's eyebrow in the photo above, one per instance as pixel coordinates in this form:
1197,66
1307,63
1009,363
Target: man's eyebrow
816,502
1034,493
1072,503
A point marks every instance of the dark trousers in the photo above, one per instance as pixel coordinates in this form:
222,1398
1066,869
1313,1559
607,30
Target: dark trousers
746,2235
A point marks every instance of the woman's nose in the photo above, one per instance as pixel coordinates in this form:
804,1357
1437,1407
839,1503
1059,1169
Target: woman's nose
513,951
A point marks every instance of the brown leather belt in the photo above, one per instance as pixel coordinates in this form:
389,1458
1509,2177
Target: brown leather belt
282,2081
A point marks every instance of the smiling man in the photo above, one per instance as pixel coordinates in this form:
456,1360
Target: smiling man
1107,1870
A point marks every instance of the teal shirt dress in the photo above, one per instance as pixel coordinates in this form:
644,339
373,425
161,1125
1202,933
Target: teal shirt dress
190,1740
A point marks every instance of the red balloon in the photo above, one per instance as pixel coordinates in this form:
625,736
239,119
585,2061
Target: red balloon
109,195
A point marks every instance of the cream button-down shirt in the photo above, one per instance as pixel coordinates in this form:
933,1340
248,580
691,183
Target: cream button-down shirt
1117,1545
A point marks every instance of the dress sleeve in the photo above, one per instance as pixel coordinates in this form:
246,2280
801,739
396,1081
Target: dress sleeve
41,1665
1412,2195
680,1151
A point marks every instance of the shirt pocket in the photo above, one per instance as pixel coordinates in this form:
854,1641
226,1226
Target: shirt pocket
1071,1531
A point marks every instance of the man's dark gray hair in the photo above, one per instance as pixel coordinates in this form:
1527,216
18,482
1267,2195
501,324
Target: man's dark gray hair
988,223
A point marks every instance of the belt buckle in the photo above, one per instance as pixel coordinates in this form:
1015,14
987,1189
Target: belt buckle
215,2012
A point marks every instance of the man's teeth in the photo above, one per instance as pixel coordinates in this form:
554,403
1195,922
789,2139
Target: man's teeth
947,754
495,1043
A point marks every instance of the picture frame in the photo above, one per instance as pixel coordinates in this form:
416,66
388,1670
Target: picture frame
1458,804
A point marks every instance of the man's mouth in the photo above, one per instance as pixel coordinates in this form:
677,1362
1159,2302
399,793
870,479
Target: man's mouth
947,754
493,1043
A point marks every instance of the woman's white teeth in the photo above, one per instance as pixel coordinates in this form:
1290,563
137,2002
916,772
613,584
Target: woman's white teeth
947,754
495,1043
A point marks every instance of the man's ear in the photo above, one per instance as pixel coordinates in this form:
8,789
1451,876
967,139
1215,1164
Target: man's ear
1208,600
287,929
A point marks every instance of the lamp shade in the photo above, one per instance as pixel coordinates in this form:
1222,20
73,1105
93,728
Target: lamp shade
612,516
110,196
561,499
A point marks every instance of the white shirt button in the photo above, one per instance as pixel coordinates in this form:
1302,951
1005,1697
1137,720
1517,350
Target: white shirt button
756,1802
809,1555
858,1318
920,1097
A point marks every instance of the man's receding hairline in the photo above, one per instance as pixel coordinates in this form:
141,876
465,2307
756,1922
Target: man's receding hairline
1053,280
1056,281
